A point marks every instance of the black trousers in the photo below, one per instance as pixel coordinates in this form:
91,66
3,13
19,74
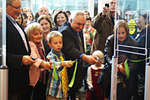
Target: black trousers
20,94
39,91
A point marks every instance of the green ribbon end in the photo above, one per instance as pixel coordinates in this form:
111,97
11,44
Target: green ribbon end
55,73
74,74
127,71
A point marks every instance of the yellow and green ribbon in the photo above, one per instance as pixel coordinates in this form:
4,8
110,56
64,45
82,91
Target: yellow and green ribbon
127,71
74,74
140,60
54,72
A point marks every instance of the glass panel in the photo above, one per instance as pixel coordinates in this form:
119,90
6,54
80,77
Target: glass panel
137,18
95,7
136,13
71,5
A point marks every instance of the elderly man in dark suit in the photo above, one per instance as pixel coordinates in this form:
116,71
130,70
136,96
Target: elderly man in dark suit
18,51
73,49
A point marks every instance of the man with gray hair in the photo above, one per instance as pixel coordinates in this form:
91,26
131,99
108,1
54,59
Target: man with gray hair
17,58
73,49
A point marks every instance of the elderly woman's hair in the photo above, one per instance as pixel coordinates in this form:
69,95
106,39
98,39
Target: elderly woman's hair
53,34
121,23
46,18
30,29
55,17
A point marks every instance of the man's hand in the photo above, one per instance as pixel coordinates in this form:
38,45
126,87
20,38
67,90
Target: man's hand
46,65
67,63
105,11
89,59
27,60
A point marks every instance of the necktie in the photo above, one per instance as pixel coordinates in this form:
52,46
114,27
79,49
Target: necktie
80,42
64,78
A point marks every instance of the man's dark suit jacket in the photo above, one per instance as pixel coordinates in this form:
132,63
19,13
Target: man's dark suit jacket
71,50
15,48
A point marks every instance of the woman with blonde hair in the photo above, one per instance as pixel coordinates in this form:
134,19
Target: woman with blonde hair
38,70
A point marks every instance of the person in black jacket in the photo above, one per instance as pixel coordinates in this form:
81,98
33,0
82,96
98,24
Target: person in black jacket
17,58
73,49
141,39
125,84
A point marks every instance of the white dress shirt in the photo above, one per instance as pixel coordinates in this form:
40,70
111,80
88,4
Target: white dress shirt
20,31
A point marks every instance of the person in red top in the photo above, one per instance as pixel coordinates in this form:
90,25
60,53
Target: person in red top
94,91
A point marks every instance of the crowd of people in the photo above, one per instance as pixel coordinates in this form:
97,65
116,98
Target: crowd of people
61,56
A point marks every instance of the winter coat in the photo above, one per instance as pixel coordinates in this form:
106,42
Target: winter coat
104,27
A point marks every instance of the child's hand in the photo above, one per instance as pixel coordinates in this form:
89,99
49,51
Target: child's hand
121,68
67,63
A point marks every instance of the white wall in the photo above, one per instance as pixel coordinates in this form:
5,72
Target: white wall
91,7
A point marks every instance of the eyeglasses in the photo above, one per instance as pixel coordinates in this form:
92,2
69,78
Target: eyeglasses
19,7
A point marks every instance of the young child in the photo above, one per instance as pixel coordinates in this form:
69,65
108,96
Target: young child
126,70
94,91
58,83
